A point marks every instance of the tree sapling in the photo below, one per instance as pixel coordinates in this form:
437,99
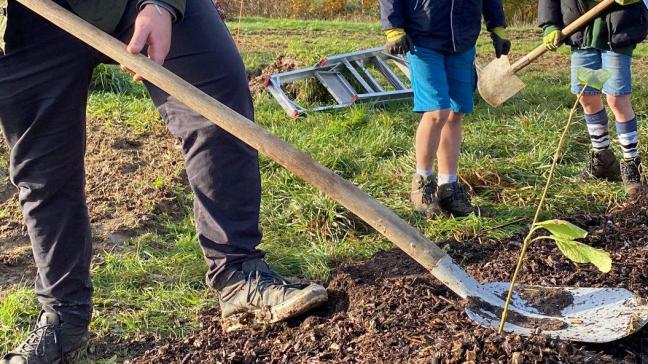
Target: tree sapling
563,233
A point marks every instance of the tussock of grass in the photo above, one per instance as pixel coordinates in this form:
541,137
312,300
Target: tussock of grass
155,286
135,112
18,308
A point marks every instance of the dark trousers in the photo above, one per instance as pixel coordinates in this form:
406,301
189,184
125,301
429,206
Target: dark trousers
44,80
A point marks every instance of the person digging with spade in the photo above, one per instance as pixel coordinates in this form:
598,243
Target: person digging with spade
44,78
606,43
439,40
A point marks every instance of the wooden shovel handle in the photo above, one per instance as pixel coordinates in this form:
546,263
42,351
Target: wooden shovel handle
570,29
360,203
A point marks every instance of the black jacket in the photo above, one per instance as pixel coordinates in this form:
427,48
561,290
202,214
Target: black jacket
443,25
627,25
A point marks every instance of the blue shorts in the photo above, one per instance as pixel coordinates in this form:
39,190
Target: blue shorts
442,80
620,82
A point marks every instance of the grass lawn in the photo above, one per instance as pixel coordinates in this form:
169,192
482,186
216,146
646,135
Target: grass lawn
154,283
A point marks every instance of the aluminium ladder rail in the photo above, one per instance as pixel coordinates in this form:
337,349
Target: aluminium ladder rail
332,72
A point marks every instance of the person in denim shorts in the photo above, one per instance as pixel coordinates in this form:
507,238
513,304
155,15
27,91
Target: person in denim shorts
606,43
439,40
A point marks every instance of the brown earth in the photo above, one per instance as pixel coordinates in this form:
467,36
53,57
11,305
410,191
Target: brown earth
388,309
257,77
132,179
548,302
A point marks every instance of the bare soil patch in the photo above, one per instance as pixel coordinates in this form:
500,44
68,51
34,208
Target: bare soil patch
548,302
257,77
388,309
132,179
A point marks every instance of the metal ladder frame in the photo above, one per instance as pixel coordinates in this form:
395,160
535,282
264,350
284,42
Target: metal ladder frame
329,74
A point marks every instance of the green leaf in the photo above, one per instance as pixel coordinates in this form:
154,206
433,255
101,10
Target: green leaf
583,253
564,230
592,78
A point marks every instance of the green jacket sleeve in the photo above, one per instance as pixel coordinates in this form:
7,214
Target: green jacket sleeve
103,14
179,5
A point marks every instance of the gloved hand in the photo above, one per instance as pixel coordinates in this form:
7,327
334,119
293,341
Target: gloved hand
398,42
501,43
627,2
551,38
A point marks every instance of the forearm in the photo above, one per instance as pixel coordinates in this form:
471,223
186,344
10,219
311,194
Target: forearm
493,12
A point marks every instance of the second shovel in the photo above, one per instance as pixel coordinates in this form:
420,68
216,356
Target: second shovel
498,81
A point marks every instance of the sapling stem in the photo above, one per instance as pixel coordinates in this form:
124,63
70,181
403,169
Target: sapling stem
534,227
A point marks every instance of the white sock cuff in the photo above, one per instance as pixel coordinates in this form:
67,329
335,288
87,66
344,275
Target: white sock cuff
443,178
424,172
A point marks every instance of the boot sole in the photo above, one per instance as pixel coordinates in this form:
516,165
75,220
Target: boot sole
636,190
428,214
456,215
309,298
477,211
591,177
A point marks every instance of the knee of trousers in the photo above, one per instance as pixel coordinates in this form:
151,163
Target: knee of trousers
199,135
49,176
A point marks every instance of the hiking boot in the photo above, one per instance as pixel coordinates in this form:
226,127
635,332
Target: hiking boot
423,196
454,200
51,342
634,180
602,164
259,291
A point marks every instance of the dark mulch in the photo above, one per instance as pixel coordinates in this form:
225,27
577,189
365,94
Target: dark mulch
388,309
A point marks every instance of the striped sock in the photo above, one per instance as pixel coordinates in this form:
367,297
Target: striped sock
628,137
597,126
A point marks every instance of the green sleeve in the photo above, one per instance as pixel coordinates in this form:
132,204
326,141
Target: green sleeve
179,5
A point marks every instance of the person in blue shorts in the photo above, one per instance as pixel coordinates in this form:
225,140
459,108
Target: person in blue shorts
608,42
439,40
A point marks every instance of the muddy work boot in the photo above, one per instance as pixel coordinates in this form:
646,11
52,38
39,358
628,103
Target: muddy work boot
51,341
256,294
602,164
423,196
454,200
634,180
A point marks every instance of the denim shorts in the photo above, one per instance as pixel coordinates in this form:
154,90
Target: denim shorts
442,80
620,82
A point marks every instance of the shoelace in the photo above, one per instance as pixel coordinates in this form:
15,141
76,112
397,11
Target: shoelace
429,188
458,194
632,172
263,280
592,163
36,339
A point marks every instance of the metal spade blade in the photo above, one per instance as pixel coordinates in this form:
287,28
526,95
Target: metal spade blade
594,315
497,82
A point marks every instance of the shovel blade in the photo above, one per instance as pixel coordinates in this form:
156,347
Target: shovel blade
497,82
593,315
